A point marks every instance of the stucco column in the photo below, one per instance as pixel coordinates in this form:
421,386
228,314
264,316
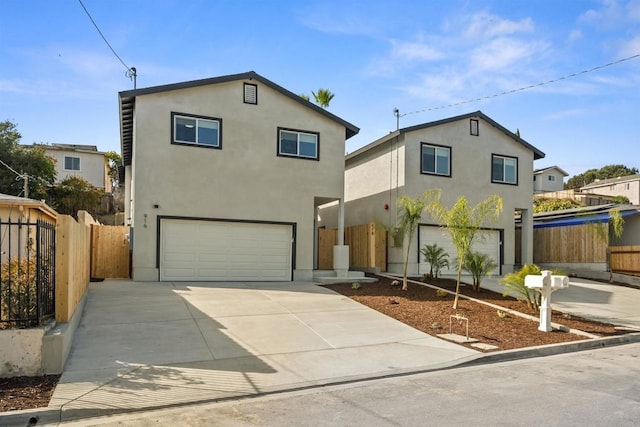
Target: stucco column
527,236
340,222
340,251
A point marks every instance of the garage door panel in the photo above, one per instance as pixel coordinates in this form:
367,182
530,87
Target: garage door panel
488,244
218,250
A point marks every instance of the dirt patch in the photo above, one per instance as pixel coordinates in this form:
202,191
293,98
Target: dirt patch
421,308
26,392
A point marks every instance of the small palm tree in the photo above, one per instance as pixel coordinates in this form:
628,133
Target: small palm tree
479,265
323,97
410,213
304,96
436,257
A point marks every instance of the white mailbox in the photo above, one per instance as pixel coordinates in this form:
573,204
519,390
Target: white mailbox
546,284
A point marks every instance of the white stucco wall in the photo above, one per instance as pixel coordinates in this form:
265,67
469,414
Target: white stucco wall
470,176
627,188
542,184
245,180
92,166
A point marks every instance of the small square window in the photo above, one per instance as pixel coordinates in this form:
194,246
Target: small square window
626,186
551,178
196,130
250,93
504,169
71,163
303,144
435,160
474,127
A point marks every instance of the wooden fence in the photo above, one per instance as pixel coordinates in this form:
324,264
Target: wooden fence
625,259
367,247
109,252
73,256
568,244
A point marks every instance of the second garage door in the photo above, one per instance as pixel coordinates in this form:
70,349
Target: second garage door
193,250
430,234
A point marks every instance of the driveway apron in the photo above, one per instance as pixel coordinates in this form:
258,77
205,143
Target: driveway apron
152,345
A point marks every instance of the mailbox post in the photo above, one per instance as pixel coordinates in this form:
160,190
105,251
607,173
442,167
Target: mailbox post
546,284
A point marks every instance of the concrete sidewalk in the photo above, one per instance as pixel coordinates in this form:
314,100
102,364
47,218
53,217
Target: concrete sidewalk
153,345
615,304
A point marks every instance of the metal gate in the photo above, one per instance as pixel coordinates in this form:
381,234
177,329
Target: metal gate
27,273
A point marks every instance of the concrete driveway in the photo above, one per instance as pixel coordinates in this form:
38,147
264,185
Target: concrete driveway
151,345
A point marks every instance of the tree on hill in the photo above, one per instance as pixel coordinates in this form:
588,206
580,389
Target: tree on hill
73,194
605,172
19,162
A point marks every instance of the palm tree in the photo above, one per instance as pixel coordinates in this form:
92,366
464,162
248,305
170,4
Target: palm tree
464,223
410,215
436,257
479,265
323,97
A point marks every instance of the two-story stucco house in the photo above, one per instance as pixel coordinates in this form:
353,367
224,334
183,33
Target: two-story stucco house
625,186
549,179
84,161
469,155
223,177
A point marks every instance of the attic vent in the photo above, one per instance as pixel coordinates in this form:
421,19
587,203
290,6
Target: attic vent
474,127
250,94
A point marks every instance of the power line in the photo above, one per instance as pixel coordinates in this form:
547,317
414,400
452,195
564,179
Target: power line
520,89
131,71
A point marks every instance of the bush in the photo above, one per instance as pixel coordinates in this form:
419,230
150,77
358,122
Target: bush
478,265
515,282
436,257
18,289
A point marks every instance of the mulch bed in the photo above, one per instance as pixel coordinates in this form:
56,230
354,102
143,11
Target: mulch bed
421,308
26,392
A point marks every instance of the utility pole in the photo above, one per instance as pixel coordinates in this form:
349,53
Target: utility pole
26,185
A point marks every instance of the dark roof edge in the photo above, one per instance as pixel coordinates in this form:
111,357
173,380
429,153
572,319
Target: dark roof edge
351,129
537,154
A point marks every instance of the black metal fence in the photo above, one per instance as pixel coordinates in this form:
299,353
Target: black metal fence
27,273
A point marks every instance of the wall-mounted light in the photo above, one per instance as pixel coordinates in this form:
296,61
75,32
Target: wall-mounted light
386,207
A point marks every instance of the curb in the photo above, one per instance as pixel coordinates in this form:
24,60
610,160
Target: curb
42,416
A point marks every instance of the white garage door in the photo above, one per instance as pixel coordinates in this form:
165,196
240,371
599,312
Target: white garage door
224,251
428,235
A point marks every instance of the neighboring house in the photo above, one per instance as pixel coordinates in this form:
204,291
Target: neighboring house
469,155
548,179
84,161
626,186
223,177
14,239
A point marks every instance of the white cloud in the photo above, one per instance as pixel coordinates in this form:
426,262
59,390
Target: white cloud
613,14
504,54
415,51
567,114
575,35
487,25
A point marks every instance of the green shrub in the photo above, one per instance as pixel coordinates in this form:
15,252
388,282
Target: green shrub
478,265
436,257
515,282
18,289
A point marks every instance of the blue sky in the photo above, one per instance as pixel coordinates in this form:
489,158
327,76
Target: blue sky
59,81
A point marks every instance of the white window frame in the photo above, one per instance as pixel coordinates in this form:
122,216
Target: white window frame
503,180
298,133
551,177
72,169
435,165
198,120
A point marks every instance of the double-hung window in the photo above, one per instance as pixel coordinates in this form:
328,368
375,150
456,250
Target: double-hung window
504,169
71,163
196,130
295,143
435,159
